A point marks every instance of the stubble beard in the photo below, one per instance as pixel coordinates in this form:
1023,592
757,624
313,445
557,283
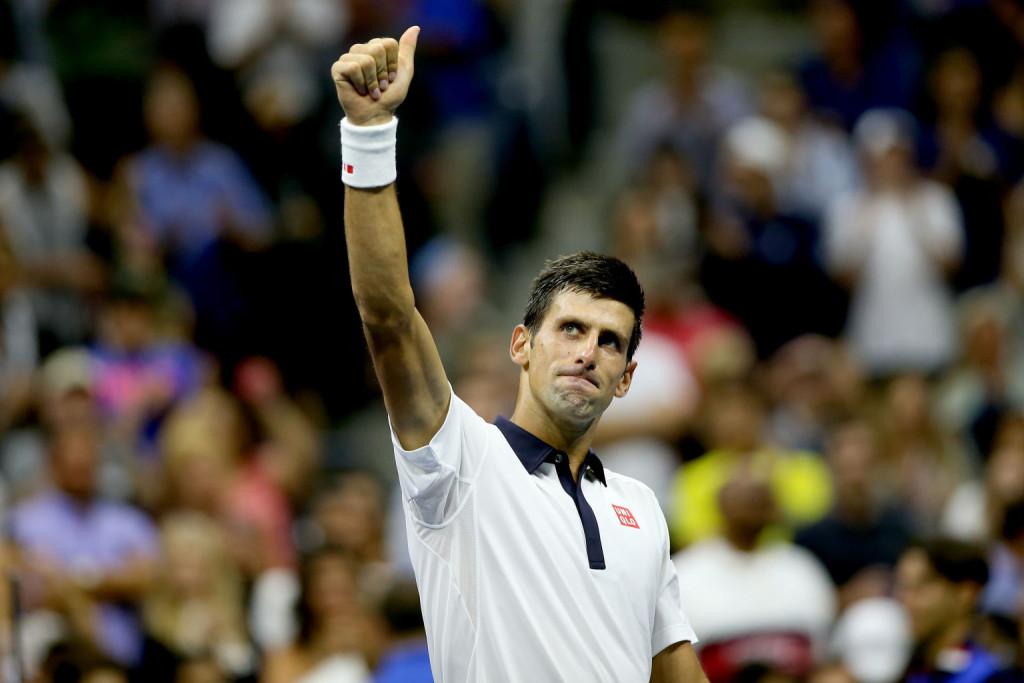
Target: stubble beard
575,405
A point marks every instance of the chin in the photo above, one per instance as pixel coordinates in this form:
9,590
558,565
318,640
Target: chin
576,406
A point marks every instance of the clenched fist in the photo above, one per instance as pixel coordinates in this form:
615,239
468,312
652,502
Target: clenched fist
373,78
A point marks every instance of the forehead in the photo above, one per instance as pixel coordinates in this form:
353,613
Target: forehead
914,568
594,311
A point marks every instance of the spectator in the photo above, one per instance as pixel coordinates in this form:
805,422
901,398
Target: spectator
810,382
939,583
285,440
760,259
985,383
759,602
861,538
895,246
404,659
819,161
861,62
198,201
871,641
139,374
656,223
690,108
966,151
333,627
206,472
735,422
448,280
349,514
923,462
18,357
44,221
87,557
195,606
81,663
973,512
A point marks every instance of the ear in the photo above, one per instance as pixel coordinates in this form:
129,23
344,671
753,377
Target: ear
520,349
625,380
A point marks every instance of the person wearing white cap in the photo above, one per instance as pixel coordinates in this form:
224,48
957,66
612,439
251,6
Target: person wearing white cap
896,245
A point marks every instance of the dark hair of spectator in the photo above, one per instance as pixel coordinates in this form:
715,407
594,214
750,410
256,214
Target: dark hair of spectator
71,661
401,608
604,277
1012,523
307,569
956,561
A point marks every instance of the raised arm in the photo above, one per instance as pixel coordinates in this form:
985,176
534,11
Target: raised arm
372,80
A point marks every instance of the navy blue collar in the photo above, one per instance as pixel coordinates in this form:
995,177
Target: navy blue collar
532,451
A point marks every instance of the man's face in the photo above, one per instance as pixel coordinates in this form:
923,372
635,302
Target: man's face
576,362
931,601
75,459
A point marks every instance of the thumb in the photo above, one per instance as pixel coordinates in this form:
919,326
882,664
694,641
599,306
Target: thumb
407,46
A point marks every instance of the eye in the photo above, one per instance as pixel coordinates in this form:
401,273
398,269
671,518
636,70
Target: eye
611,341
570,328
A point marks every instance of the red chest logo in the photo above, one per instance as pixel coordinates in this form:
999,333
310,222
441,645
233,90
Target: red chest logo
626,517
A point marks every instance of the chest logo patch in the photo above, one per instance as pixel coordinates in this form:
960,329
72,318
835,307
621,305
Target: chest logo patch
626,517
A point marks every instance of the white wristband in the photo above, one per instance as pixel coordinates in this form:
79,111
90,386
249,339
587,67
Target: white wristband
368,154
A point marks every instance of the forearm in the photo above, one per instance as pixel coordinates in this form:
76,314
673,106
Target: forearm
677,663
378,264
126,584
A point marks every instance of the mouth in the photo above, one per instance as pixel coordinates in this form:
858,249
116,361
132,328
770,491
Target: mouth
583,378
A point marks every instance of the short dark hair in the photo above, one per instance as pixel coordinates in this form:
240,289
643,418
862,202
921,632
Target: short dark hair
604,277
955,561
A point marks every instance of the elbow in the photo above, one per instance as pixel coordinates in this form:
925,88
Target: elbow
381,312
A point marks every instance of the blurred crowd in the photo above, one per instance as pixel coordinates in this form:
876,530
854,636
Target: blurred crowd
195,477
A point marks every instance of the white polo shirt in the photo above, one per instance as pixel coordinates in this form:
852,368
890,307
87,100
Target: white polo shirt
525,576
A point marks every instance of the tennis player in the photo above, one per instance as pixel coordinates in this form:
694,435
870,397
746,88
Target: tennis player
534,563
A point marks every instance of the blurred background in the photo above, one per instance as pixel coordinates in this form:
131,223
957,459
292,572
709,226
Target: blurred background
822,199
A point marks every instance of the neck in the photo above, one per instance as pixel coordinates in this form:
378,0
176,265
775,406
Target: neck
742,540
79,500
953,635
573,438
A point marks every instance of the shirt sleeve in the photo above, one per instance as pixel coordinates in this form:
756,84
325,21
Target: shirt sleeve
670,622
942,228
437,478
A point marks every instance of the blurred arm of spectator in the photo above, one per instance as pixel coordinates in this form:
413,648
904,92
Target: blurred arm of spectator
1013,249
19,355
244,212
291,448
856,223
43,200
240,31
940,232
849,236
125,583
54,589
79,271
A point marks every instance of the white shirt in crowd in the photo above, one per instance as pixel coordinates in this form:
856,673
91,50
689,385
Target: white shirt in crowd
750,600
901,311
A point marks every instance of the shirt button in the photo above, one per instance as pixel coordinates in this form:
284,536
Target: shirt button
558,458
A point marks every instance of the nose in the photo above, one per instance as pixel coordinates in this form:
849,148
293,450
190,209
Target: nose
586,353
